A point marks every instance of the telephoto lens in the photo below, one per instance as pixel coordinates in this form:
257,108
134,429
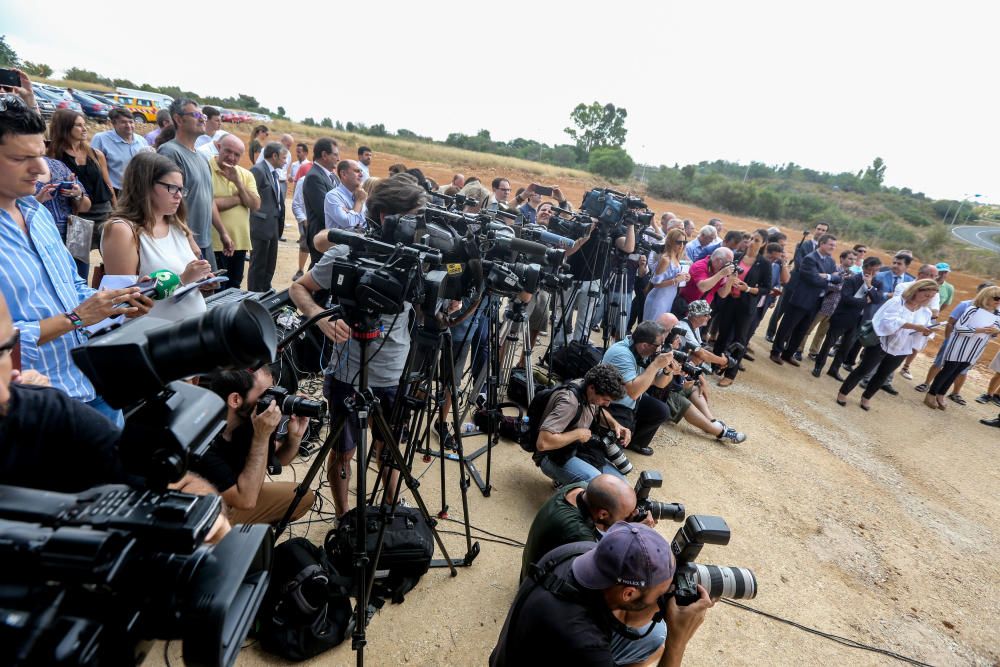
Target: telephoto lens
733,583
672,511
614,453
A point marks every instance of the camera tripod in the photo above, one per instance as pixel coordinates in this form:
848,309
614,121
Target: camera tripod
367,410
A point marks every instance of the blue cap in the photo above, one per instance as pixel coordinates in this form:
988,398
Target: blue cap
631,554
942,266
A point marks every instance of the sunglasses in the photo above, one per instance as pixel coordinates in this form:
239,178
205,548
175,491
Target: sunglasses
197,115
173,189
996,298
11,342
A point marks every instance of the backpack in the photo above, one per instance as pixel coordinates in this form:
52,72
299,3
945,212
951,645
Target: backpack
573,360
536,412
406,555
306,609
509,427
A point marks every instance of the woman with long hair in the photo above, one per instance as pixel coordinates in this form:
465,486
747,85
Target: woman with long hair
968,339
737,311
68,143
668,275
899,325
147,232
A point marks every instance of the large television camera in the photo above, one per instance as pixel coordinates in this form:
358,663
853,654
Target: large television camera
93,578
612,208
170,423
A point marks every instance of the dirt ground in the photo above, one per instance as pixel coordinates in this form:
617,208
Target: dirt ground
881,526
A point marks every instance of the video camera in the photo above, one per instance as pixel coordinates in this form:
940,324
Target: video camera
735,583
651,479
612,208
137,366
92,578
569,224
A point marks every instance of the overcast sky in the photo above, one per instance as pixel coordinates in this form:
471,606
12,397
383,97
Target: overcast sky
825,85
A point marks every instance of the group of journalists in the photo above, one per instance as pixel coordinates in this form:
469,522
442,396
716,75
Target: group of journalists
610,601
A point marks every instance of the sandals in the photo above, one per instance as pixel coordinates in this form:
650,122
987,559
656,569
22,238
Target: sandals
956,398
922,387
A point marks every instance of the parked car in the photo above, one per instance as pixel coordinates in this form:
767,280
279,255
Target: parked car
58,96
45,106
230,116
143,111
92,107
101,96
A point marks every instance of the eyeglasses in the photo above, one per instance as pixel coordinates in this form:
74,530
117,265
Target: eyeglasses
197,115
173,189
11,101
996,298
11,342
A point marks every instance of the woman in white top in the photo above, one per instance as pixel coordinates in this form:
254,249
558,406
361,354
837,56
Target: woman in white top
899,324
147,232
667,275
972,331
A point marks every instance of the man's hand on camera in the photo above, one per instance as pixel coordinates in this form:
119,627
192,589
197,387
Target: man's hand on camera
265,422
623,434
297,425
336,330
682,623
199,486
662,360
582,434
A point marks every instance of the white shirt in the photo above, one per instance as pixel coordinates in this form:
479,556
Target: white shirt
888,324
298,203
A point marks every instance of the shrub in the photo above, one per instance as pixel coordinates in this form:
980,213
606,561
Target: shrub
804,207
732,196
668,184
768,205
610,162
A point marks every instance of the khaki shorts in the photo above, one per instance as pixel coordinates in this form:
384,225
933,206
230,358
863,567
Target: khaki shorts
538,311
678,403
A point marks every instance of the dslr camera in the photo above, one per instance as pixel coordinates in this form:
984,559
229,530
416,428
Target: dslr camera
692,371
613,450
651,479
290,404
735,583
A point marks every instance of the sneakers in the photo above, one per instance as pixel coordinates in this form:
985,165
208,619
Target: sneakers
906,373
797,356
732,435
922,387
984,398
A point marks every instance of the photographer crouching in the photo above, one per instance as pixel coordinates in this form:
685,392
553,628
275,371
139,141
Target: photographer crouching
575,606
564,447
236,463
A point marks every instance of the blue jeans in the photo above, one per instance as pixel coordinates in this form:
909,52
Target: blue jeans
102,406
634,651
574,470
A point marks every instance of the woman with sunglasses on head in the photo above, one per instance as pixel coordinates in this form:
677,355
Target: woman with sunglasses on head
668,275
971,333
147,232
899,325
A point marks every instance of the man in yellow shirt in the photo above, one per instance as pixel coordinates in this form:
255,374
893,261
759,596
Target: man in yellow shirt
235,193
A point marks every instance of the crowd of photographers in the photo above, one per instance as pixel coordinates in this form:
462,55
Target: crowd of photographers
675,310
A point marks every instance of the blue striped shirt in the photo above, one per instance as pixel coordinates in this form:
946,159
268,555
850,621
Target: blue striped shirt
38,279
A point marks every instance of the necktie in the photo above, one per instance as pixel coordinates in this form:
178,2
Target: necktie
895,281
274,181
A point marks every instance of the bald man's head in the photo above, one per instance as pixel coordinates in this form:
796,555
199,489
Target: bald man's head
667,320
610,499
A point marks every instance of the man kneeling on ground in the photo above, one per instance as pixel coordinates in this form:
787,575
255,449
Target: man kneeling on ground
561,449
237,460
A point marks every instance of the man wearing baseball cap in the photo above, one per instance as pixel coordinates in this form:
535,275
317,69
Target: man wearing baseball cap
946,292
594,608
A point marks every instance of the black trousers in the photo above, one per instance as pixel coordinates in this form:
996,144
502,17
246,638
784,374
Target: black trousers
832,334
734,322
777,313
873,358
794,325
644,420
946,377
263,262
848,350
235,267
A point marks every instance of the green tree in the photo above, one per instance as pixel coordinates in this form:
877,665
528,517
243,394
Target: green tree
309,121
326,122
37,69
281,112
8,57
597,126
871,179
610,162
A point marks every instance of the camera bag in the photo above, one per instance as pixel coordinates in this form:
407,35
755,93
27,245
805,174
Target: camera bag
406,550
573,360
509,427
306,609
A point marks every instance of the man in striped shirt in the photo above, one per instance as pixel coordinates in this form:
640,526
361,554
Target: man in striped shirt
49,302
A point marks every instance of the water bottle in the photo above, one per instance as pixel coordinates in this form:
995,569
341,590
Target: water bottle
468,427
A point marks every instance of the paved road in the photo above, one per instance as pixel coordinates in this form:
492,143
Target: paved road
979,236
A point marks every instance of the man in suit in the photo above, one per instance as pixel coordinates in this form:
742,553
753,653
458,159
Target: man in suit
887,281
805,246
267,221
859,299
320,180
817,271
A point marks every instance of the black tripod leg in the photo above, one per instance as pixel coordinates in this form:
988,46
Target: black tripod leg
448,376
336,428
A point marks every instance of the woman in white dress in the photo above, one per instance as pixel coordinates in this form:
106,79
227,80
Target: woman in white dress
147,233
669,273
972,332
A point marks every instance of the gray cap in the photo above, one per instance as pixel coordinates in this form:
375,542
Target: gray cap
631,554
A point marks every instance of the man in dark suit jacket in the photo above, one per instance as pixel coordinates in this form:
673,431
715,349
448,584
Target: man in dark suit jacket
317,183
859,298
817,271
266,223
805,246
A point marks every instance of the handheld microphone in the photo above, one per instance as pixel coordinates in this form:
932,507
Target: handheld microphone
163,284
